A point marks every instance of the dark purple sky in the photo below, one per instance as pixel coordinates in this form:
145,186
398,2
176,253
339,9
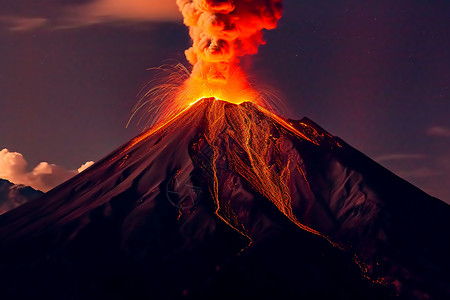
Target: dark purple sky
375,73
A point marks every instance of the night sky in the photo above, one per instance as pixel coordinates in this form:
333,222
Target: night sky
375,73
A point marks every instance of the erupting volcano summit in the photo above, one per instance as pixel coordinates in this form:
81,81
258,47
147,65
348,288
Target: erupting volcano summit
222,31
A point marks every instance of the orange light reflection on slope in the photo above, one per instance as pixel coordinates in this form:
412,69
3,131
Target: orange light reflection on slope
249,147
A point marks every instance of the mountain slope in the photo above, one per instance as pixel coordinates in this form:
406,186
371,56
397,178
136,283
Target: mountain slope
228,199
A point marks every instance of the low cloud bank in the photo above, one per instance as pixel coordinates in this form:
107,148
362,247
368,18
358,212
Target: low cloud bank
43,177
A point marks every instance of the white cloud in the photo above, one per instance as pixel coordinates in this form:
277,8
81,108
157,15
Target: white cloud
85,166
439,131
418,173
398,156
44,176
19,23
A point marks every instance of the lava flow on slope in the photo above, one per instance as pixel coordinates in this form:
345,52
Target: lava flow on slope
225,200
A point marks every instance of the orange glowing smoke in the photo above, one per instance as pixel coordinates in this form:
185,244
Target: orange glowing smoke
222,31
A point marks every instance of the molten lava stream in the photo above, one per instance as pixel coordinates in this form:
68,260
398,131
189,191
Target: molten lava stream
247,141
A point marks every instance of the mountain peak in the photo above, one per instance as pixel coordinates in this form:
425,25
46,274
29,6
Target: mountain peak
222,191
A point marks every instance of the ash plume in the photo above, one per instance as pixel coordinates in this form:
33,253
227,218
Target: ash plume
222,31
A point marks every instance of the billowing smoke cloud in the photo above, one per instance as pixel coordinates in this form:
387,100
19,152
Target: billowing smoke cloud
224,30
43,177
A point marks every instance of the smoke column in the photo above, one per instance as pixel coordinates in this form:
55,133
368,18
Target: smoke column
222,31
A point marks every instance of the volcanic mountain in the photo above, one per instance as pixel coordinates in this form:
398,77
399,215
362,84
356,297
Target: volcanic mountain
229,201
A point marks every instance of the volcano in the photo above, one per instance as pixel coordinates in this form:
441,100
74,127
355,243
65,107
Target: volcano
229,201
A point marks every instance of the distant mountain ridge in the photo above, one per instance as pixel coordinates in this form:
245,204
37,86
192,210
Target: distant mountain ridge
189,211
13,195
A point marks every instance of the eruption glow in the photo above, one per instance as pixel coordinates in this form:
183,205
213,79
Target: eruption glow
249,143
222,31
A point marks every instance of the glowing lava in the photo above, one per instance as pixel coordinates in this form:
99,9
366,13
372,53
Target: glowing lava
244,139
